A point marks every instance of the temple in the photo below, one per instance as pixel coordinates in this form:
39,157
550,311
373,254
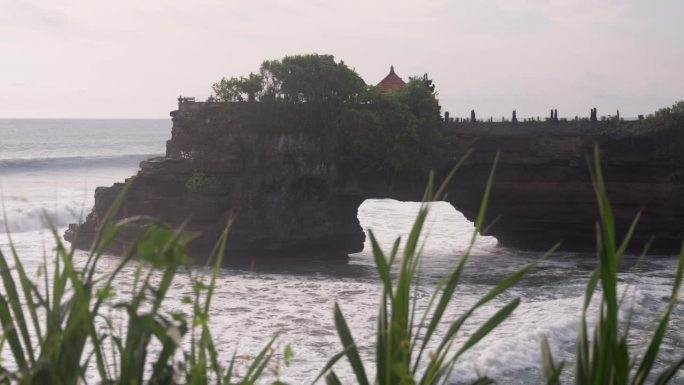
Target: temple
391,82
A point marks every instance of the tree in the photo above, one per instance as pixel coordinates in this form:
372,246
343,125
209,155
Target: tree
420,96
396,129
677,108
236,89
252,86
227,90
311,78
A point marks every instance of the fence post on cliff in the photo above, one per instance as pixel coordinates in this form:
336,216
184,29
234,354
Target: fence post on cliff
472,116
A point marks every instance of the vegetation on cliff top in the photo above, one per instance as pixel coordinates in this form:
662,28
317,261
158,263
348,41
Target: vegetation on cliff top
398,130
663,120
295,79
664,128
676,109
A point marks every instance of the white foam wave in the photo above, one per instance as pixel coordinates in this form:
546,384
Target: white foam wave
513,349
71,162
23,219
515,345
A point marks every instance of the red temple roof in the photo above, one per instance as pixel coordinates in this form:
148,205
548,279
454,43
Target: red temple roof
391,82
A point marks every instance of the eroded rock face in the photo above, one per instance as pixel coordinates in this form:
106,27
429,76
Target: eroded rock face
226,162
292,192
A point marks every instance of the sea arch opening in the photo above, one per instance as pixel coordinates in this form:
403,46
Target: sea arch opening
447,231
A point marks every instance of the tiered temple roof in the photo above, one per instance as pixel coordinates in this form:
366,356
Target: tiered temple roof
391,81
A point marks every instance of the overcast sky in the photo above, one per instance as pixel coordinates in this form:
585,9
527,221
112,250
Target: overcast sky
125,58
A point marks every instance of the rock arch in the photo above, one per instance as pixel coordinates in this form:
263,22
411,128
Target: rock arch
291,195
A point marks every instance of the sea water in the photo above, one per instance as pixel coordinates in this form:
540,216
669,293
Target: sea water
53,167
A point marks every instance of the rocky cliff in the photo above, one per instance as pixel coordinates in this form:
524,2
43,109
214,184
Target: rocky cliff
290,178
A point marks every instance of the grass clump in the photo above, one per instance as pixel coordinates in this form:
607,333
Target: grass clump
403,336
73,328
605,359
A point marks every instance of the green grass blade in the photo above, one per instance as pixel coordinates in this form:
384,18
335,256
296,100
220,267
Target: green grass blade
582,366
550,370
605,213
406,344
582,353
383,346
649,358
494,321
669,373
331,362
481,214
625,241
46,283
440,191
217,266
436,316
229,372
331,379
100,238
80,319
591,288
25,283
28,287
454,277
438,370
15,303
10,334
109,233
501,287
412,241
395,250
260,361
381,263
400,327
428,194
352,352
213,353
515,277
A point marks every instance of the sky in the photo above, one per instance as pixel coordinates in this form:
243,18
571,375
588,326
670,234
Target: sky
132,59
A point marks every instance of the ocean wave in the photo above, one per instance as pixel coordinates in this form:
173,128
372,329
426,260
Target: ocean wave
513,348
72,162
20,220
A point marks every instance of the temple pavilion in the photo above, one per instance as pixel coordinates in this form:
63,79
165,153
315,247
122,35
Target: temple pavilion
391,82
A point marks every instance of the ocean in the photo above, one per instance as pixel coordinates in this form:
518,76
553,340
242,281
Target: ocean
53,166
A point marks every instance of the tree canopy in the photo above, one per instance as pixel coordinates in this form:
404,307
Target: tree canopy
300,78
396,129
676,109
311,78
237,89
